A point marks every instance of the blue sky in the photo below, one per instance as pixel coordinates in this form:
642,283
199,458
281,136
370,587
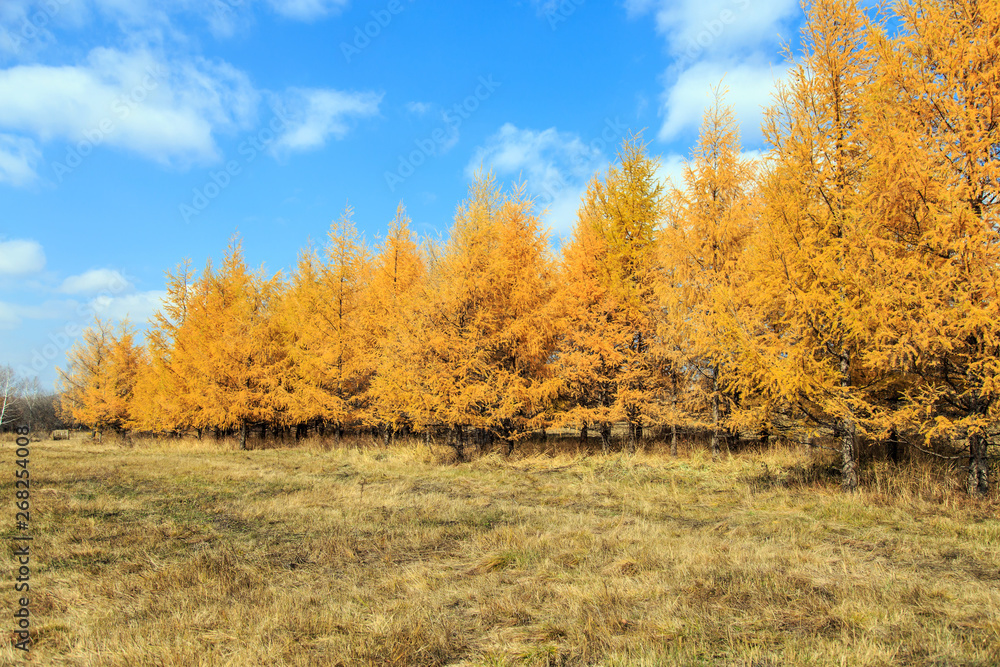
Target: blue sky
137,133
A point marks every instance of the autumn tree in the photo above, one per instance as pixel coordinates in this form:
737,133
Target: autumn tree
587,354
397,273
608,301
485,328
701,282
323,315
100,377
234,363
810,256
937,171
164,400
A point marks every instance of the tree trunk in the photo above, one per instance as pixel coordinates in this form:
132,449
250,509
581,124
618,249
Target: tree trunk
848,434
584,434
458,442
979,471
893,446
715,416
388,435
243,435
673,425
605,436
848,462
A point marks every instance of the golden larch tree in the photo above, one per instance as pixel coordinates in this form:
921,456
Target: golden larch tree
235,362
708,224
99,380
397,274
811,251
324,317
163,397
486,333
938,177
608,301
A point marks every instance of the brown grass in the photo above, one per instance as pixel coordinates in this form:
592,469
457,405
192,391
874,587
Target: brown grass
181,553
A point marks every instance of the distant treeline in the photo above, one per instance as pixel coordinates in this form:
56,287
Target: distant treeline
24,403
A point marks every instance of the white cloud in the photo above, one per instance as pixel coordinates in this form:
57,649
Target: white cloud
32,26
138,308
711,39
418,108
554,166
168,113
50,309
94,281
306,10
750,86
18,157
146,96
12,315
20,257
758,156
27,26
697,28
315,115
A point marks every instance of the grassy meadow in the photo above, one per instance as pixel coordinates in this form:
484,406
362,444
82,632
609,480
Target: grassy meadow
178,553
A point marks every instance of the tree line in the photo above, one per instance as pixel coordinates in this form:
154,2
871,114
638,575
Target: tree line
843,285
23,402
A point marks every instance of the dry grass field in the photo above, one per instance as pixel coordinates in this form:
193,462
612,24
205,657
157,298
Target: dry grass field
180,553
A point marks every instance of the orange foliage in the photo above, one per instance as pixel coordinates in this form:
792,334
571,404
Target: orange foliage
845,284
